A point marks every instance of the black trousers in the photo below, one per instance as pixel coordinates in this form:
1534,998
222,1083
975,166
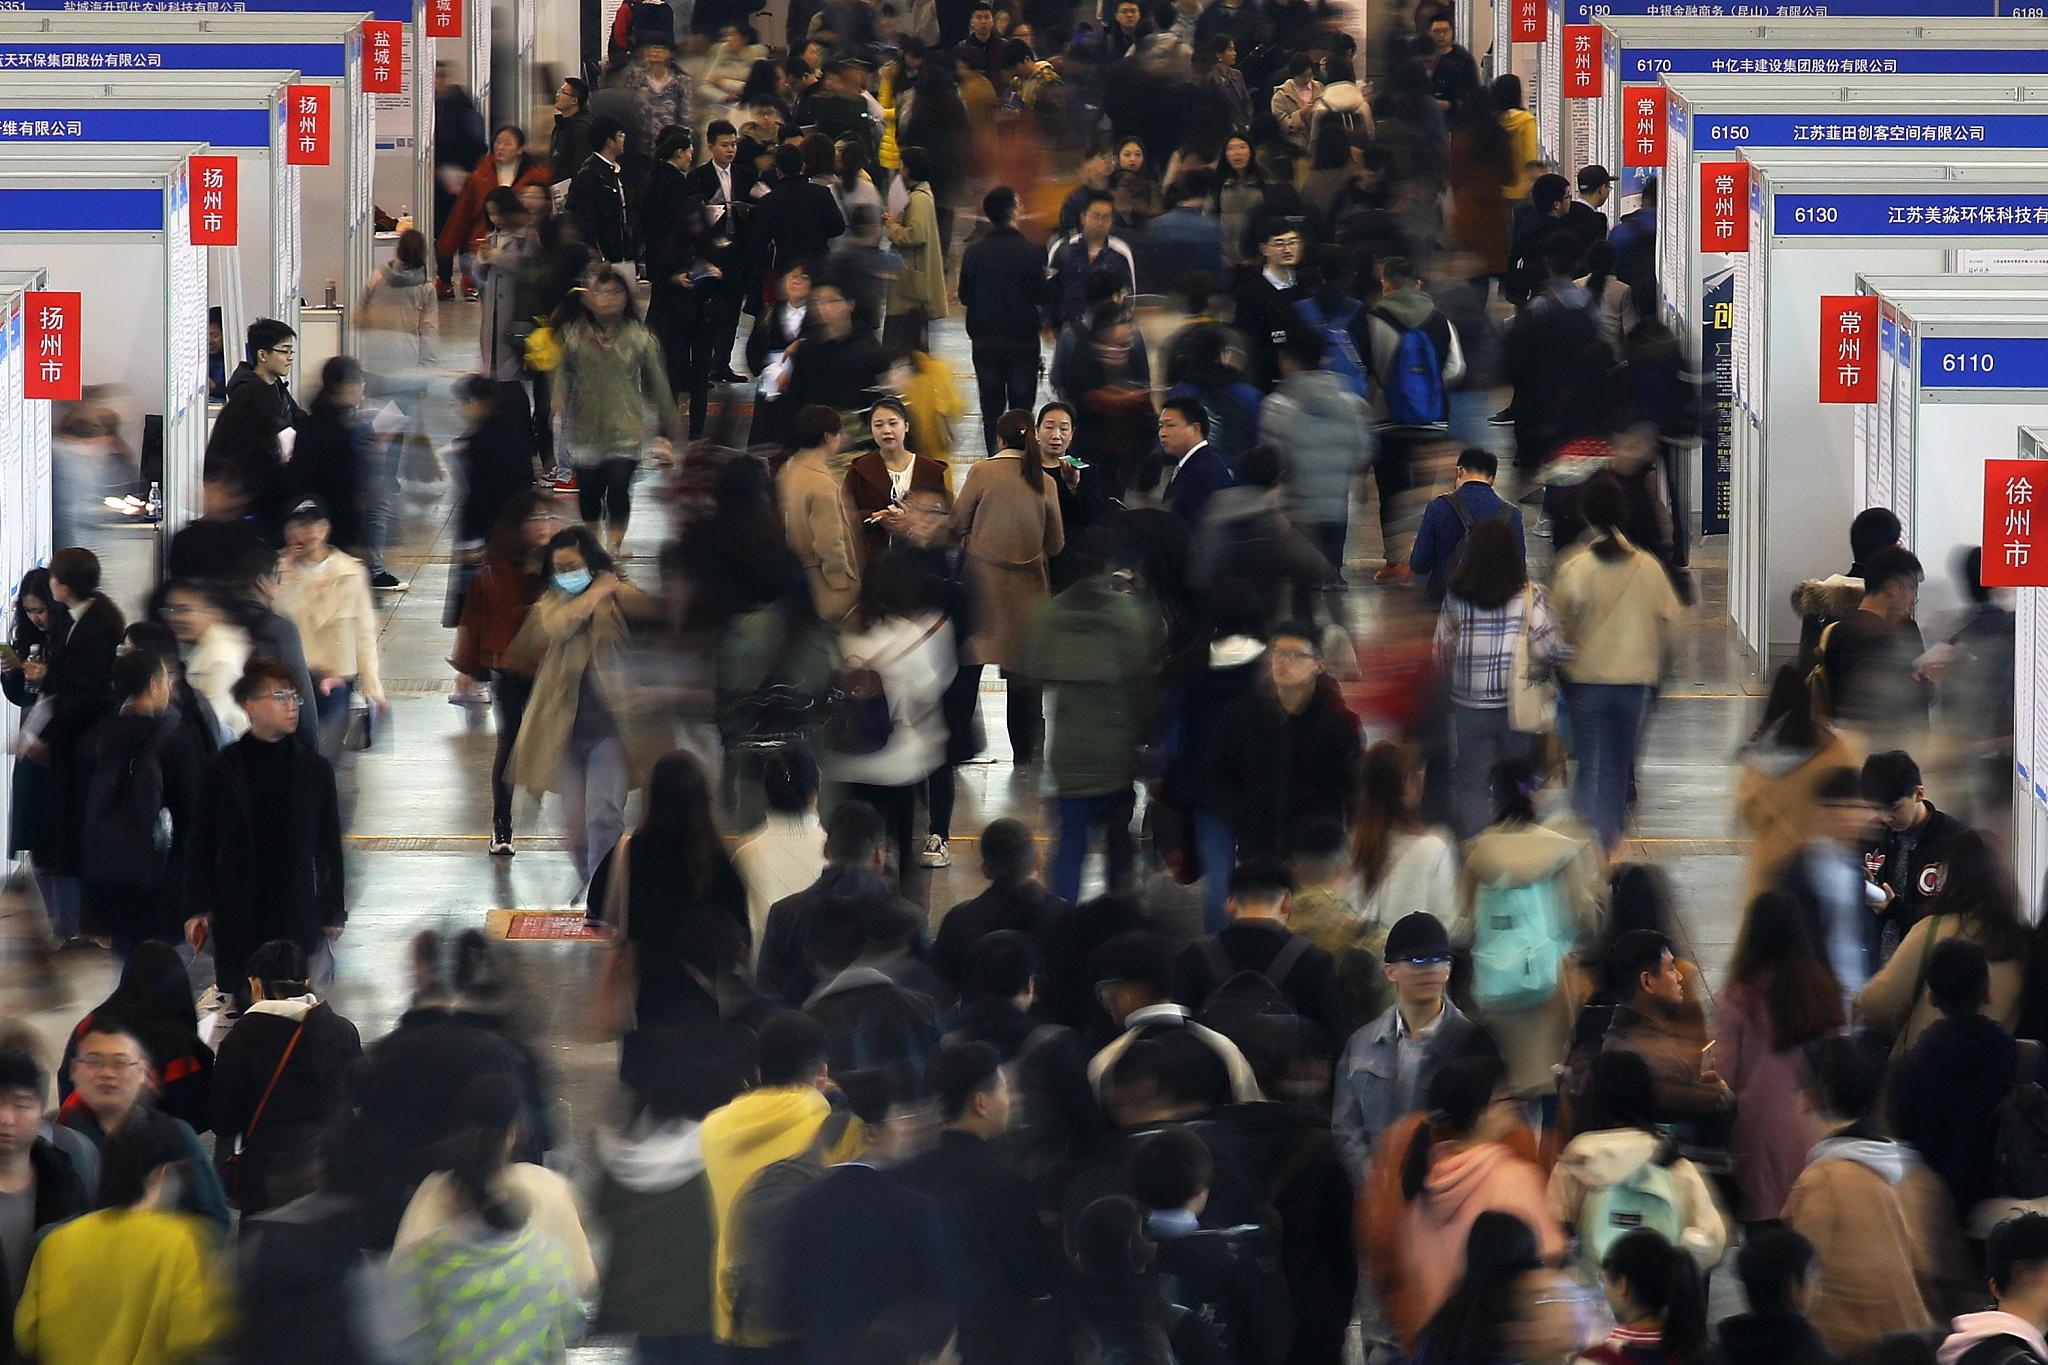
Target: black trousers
1007,378
509,693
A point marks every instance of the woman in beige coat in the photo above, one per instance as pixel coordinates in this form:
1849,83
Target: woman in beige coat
919,292
1977,901
326,594
1776,800
1008,522
582,736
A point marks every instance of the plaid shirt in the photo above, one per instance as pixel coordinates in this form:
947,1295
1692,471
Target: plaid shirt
1475,646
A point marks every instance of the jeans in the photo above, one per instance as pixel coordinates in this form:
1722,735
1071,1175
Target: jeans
332,709
509,693
61,896
1393,474
1078,817
593,782
1216,850
1480,738
1607,727
380,497
1007,378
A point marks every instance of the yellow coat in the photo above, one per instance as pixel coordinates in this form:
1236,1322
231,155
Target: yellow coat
138,1286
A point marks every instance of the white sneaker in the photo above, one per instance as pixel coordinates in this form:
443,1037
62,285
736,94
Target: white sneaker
935,853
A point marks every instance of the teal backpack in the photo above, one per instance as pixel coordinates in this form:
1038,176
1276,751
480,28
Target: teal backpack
1518,944
1644,1198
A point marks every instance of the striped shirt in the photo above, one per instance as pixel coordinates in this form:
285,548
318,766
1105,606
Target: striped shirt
1475,645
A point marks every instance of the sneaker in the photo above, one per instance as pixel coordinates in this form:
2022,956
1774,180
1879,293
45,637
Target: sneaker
385,580
1504,418
563,480
501,841
935,853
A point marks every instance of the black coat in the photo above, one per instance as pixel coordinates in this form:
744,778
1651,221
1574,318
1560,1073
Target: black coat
300,1273
327,463
597,206
1769,1339
207,548
497,466
682,933
59,1195
1945,1096
1017,904
998,1255
1067,938
1251,946
1274,770
280,1155
837,373
1003,289
244,440
124,894
728,240
862,1249
223,863
800,219
568,144
79,688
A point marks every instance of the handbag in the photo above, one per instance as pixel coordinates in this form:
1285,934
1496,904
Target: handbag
857,719
1532,695
231,1169
613,996
362,729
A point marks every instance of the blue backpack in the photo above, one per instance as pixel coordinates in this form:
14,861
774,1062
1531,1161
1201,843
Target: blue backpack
1414,381
1518,944
1340,348
1644,1198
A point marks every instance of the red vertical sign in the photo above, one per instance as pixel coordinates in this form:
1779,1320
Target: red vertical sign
1848,348
383,56
1527,18
1724,206
1581,61
444,18
216,200
2015,524
52,369
1644,125
309,130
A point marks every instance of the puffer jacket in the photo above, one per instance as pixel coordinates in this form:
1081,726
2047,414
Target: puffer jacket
401,329
1324,432
1096,649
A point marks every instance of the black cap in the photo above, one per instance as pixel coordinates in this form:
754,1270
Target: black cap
1592,178
308,509
1420,934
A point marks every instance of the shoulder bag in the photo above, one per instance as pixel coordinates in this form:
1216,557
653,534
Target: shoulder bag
613,994
231,1169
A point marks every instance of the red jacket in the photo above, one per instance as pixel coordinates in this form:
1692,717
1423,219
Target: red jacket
466,223
499,598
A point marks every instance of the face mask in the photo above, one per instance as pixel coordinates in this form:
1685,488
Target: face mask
573,582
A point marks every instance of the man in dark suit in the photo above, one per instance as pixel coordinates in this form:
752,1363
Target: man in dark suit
597,194
1002,287
987,1216
800,217
1199,472
729,189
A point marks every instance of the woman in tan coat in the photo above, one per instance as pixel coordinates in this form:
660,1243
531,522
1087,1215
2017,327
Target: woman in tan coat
1789,752
1977,901
1008,522
582,736
919,293
817,515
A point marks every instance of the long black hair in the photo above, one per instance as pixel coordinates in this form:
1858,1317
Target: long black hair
1662,1280
23,633
583,541
679,815
486,1115
1515,784
1499,1250
1458,1096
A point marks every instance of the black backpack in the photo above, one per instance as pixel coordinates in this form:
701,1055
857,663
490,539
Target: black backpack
2019,1159
1242,996
125,823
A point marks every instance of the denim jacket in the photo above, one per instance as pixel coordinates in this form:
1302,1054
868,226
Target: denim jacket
1368,1094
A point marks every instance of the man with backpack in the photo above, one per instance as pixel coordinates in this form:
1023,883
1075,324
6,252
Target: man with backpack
140,774
785,1116
1450,515
1132,979
1256,966
1414,358
1388,1064
2016,1262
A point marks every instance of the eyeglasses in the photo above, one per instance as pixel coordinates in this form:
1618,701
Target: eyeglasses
1434,960
100,1061
281,350
284,697
1297,656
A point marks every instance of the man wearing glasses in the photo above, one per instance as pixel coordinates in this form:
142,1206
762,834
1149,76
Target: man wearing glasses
113,1078
247,440
265,857
1387,1066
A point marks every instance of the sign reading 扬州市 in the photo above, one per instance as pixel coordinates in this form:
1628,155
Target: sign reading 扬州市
1932,212
308,59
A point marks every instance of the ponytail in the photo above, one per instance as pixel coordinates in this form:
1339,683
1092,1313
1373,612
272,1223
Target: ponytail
1663,1280
1603,505
1515,784
1458,1097
486,1115
1014,431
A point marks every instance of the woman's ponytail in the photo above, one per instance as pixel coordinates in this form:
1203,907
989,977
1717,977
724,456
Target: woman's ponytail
486,1116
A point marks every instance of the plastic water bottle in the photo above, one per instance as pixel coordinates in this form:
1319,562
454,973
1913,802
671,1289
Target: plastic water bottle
35,656
153,507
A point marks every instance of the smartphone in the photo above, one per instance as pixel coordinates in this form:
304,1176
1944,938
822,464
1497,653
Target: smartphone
9,658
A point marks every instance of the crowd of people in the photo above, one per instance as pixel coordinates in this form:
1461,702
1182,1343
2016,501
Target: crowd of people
1370,1032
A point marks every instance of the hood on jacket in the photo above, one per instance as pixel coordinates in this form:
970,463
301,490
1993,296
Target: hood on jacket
1343,97
294,1008
1609,1156
245,373
1078,630
1233,651
1972,1329
1459,1179
1409,307
763,1116
397,276
653,1160
1318,393
1834,595
1890,1160
1522,854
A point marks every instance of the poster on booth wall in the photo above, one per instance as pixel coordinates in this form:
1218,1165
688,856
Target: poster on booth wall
1717,362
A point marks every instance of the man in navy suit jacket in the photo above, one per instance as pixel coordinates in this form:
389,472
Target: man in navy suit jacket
1198,471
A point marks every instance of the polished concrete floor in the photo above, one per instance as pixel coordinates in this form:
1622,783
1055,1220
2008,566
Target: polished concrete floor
416,847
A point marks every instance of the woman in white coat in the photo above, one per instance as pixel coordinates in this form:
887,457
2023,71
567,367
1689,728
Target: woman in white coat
326,594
